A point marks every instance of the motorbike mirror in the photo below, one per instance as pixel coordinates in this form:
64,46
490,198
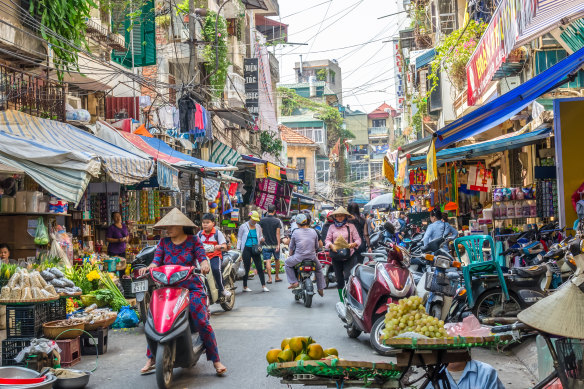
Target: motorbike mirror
429,257
456,264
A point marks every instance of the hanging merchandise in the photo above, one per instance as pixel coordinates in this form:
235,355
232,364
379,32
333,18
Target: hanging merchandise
41,236
432,174
260,171
273,171
479,178
186,108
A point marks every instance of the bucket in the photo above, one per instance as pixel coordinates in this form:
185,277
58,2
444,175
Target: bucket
110,264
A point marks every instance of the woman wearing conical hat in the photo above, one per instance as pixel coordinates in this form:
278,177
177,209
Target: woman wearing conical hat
181,247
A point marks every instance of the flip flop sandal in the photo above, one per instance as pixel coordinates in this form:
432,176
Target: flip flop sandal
269,282
293,286
279,280
150,370
221,372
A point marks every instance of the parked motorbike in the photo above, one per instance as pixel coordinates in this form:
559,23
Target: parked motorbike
229,273
143,288
368,292
168,326
327,267
304,273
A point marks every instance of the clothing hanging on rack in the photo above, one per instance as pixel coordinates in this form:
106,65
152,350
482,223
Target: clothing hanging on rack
186,107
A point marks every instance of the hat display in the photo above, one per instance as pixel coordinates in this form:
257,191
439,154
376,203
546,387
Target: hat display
340,211
255,216
174,218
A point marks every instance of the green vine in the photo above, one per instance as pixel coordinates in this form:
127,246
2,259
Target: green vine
292,102
322,74
269,144
219,75
454,52
67,19
421,103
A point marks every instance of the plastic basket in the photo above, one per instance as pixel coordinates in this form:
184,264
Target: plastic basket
56,310
439,282
570,352
25,321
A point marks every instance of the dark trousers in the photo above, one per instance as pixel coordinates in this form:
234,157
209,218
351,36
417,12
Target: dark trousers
343,270
216,269
257,260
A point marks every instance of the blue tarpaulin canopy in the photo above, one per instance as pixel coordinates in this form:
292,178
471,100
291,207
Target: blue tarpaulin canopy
504,107
502,143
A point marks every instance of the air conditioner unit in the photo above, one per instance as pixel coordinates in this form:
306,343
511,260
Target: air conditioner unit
74,102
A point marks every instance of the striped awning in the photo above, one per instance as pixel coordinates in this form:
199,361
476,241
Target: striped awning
550,15
61,158
223,154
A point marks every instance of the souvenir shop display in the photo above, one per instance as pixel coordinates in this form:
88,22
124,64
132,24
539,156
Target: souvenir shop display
514,203
547,198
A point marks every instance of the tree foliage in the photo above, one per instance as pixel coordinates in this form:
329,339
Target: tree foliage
215,55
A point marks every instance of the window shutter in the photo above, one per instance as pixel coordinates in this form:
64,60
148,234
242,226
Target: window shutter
144,34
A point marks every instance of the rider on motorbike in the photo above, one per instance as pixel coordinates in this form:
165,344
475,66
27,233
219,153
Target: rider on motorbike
214,242
304,244
438,228
178,248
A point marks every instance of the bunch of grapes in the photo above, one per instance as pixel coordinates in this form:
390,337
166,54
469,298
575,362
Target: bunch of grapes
410,316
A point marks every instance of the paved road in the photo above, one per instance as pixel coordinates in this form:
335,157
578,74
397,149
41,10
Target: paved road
258,323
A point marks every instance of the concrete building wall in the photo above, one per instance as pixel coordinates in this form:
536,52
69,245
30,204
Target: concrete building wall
357,124
309,153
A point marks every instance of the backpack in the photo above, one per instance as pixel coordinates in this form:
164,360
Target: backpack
215,236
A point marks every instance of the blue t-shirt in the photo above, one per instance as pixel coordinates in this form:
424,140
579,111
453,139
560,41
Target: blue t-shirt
252,238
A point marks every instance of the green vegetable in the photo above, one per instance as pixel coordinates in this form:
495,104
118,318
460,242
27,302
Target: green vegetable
79,274
119,299
7,271
107,297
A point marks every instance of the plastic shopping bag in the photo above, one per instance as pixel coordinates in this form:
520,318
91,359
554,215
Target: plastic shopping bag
41,236
127,318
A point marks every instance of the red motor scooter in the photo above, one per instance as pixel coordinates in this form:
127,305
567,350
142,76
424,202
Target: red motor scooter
168,326
370,289
327,267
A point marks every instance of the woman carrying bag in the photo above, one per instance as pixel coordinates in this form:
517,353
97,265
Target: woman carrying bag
344,259
249,240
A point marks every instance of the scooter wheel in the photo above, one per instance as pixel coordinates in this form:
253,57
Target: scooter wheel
375,337
164,365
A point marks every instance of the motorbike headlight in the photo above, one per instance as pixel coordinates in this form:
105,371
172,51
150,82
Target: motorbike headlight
160,277
178,276
441,262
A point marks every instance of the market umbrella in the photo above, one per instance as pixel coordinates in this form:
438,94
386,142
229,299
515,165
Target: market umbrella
383,202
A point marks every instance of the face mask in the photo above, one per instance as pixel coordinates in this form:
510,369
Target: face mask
340,224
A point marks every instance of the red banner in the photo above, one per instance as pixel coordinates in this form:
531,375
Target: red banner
508,22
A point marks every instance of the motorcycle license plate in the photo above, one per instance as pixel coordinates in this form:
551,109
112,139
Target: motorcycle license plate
139,286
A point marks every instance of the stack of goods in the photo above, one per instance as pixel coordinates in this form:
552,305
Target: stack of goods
24,286
63,286
300,348
408,319
547,198
133,205
99,207
511,203
156,204
94,317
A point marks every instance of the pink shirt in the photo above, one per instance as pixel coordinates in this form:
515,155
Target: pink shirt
334,232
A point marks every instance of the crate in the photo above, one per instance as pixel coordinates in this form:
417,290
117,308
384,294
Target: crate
56,310
25,321
127,286
70,351
100,337
11,348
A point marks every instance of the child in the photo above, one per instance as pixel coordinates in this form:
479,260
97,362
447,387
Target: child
215,243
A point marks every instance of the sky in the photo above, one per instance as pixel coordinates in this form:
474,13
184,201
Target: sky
332,25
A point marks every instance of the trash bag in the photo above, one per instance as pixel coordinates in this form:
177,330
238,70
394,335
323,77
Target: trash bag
41,236
127,318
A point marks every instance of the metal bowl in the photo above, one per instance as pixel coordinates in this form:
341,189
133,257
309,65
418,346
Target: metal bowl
73,383
21,372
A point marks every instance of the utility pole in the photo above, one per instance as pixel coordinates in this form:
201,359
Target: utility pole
192,71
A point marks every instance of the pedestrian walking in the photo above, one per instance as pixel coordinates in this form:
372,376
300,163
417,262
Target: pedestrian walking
344,259
272,228
249,240
361,225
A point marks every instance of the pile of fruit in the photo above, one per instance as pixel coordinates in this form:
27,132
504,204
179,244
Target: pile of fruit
300,348
410,316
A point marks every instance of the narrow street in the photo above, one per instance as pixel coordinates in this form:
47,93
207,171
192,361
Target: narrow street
258,323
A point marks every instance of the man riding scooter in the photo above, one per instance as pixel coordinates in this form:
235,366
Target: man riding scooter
214,242
304,244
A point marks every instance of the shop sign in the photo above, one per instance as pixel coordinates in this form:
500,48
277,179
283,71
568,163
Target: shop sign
398,68
251,76
260,171
301,174
508,22
274,171
268,192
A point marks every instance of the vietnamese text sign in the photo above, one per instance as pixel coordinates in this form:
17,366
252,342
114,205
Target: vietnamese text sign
508,22
251,75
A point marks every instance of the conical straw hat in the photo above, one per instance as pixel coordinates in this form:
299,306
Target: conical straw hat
559,314
340,211
175,218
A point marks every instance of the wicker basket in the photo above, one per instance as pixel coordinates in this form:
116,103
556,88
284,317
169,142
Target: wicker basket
99,324
51,331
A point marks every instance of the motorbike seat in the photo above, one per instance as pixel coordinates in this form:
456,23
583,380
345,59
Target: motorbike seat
366,275
225,261
531,271
306,262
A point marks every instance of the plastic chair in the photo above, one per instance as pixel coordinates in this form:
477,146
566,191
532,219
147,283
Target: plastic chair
473,245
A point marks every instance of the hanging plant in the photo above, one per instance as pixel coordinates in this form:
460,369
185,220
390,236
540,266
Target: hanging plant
215,55
63,26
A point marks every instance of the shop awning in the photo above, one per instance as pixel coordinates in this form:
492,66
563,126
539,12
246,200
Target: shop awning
303,198
425,59
504,107
51,151
501,143
550,15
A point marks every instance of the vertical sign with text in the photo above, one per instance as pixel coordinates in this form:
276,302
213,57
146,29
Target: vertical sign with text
251,75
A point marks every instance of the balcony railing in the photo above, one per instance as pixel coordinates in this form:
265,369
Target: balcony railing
378,131
31,94
235,88
97,31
